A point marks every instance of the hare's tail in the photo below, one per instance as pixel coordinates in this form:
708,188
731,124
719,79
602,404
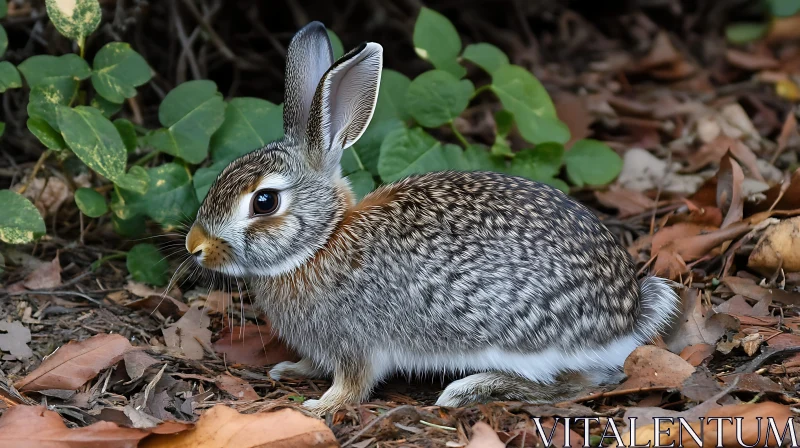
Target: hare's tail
659,304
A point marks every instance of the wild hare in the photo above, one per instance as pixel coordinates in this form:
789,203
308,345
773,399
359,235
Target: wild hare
504,278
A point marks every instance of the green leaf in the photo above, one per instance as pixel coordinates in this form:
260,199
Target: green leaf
106,107
135,180
170,197
74,19
784,8
20,221
2,259
437,41
3,41
128,133
351,162
525,97
90,202
129,228
391,98
437,97
9,77
503,120
2,128
118,70
250,123
147,265
743,32
361,182
540,163
190,113
405,152
368,147
454,156
592,162
62,71
336,45
94,140
49,137
44,102
479,159
3,8
486,56
205,177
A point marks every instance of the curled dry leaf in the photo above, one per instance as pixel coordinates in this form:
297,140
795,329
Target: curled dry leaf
483,436
671,258
166,305
785,196
137,362
221,427
696,354
572,110
628,202
642,171
778,248
237,387
253,346
190,334
729,190
751,61
15,339
142,290
650,366
699,324
46,276
749,288
76,363
717,148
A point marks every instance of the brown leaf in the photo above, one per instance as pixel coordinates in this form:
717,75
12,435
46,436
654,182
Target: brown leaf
650,366
35,426
786,194
696,354
137,362
142,290
749,288
483,436
628,202
778,248
572,111
671,258
789,134
255,346
166,305
221,427
667,235
751,61
729,190
737,306
754,423
46,276
753,382
716,149
699,324
237,387
15,339
190,333
76,363
662,53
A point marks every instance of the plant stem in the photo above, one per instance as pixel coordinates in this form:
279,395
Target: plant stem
146,158
460,137
480,90
95,265
36,169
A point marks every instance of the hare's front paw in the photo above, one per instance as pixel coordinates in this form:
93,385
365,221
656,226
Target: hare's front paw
301,369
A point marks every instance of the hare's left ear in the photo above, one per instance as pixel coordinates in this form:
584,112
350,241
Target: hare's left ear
343,105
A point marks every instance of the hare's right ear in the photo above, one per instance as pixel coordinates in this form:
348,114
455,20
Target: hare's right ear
308,58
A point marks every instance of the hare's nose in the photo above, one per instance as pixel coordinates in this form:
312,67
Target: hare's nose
196,240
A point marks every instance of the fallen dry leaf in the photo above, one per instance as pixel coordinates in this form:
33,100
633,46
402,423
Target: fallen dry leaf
789,135
75,363
221,427
143,290
786,194
672,257
717,148
628,202
166,305
237,387
737,306
137,362
642,171
46,276
696,354
572,111
483,436
754,423
729,190
190,333
48,195
753,382
749,288
15,339
778,248
650,366
751,61
253,346
699,324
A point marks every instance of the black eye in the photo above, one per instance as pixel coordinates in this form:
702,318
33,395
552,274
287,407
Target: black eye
265,202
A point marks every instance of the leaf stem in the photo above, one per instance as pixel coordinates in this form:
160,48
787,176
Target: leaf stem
95,265
36,169
458,135
480,90
146,158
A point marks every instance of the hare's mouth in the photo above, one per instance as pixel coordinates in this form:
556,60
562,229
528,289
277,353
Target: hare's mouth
209,251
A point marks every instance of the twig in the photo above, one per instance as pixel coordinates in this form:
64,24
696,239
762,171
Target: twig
226,52
36,169
375,422
764,357
616,393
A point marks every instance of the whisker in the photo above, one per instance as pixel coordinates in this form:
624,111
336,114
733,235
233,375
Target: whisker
171,283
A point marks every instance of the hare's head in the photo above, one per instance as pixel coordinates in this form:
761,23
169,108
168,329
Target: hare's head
273,208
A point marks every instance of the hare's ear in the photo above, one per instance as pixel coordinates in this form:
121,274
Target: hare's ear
308,58
343,105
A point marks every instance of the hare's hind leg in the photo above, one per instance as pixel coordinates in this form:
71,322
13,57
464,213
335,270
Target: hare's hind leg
352,383
304,368
499,386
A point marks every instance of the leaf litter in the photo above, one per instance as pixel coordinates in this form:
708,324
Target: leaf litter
709,196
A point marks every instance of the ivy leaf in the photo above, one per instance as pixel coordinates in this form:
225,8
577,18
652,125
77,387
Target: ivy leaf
90,202
436,97
170,197
437,41
250,123
54,81
391,97
410,151
3,40
336,45
128,133
49,137
135,180
479,159
190,113
9,77
93,139
146,264
592,162
105,106
361,182
20,221
74,19
486,56
541,163
368,147
118,70
525,97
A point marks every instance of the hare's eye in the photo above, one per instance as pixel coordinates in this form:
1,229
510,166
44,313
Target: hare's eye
265,202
